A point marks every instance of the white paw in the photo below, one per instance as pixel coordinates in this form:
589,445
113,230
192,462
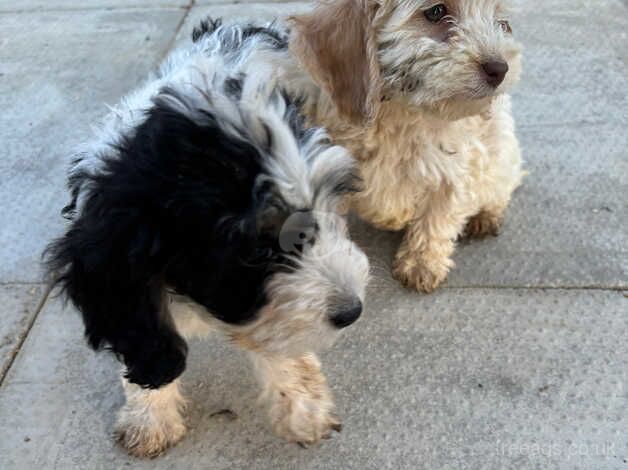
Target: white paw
148,437
150,422
303,418
301,407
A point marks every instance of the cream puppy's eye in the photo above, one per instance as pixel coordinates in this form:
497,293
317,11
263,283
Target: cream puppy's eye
505,26
436,13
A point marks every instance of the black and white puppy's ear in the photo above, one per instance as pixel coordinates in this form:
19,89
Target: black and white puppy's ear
107,265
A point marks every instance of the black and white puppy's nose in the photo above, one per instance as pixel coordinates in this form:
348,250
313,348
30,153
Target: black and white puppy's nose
495,72
347,315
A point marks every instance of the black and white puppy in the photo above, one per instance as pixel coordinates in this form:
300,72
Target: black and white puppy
203,203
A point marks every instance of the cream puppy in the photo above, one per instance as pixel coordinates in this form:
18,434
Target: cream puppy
417,91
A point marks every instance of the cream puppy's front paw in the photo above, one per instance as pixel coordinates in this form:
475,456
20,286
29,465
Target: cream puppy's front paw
416,273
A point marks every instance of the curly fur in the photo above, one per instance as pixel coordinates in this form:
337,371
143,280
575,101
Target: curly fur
203,202
435,140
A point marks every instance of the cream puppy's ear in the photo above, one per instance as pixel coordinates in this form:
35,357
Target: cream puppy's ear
336,44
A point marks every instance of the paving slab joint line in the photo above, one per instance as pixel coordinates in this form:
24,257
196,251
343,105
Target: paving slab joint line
20,283
621,288
49,288
61,9
24,335
172,42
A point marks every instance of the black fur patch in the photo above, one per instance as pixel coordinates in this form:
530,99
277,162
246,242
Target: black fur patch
272,36
275,38
233,87
176,208
206,26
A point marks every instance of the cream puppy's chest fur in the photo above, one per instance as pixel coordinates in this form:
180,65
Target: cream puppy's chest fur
417,92
409,157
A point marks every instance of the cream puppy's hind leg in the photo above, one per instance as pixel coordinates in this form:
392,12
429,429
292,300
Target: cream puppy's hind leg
496,174
151,420
485,223
300,404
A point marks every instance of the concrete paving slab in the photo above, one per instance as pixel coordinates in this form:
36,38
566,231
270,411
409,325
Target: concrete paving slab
48,5
464,378
58,70
568,225
19,306
573,70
